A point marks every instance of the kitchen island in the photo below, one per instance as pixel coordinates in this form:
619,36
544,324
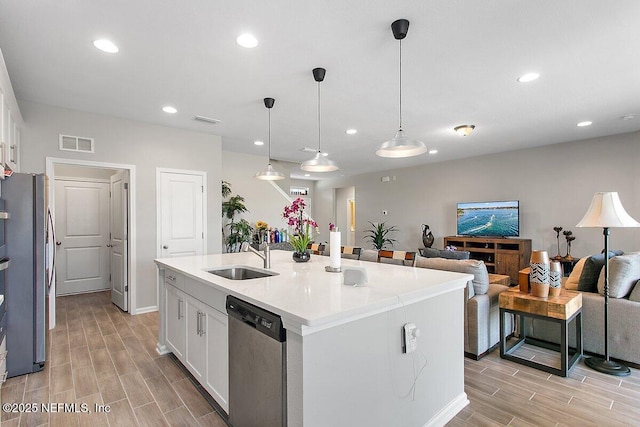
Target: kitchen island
345,363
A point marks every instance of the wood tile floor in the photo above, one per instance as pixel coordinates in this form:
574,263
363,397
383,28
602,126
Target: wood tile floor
99,355
503,393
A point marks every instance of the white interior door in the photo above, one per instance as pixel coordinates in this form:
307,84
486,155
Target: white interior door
82,231
119,230
181,214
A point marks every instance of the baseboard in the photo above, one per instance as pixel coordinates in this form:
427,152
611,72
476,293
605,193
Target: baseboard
448,412
150,309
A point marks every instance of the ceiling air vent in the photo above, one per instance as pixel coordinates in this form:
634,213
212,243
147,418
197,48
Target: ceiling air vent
76,143
207,120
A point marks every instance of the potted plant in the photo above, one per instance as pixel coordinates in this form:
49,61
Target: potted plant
230,208
303,229
378,235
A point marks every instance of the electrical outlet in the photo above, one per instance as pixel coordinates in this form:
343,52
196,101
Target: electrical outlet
410,337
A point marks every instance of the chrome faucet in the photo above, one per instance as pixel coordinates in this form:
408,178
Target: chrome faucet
266,257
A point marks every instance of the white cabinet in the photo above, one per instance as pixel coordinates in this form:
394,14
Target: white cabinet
196,339
217,380
197,333
175,320
9,136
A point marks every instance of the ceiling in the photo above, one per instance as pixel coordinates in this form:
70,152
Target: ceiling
461,60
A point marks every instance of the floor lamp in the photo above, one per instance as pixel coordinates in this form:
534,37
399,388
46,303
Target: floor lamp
606,212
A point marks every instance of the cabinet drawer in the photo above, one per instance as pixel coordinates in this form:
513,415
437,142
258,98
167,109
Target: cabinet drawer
174,279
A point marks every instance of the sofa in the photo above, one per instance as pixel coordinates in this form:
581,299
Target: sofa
481,310
624,307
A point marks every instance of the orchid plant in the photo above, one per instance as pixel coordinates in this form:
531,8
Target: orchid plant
303,228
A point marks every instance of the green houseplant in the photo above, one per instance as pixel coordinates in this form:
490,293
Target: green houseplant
239,231
378,235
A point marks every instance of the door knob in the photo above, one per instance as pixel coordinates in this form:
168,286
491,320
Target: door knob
165,247
58,243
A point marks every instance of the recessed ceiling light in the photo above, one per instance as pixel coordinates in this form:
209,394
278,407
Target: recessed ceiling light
307,174
351,131
529,77
325,154
247,40
106,46
169,109
258,143
434,151
585,123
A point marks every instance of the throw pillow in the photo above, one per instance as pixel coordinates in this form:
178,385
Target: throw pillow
470,266
591,271
624,272
573,279
635,293
439,253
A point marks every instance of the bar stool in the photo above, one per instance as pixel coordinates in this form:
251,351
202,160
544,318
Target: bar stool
397,257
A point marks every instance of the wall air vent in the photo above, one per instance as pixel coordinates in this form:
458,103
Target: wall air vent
76,143
207,120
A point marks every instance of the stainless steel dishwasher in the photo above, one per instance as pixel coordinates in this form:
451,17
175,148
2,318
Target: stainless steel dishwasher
257,366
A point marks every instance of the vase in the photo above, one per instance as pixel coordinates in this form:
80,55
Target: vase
539,275
555,277
301,256
427,237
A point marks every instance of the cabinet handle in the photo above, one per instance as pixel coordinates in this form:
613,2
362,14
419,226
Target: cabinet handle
12,157
202,323
198,323
180,301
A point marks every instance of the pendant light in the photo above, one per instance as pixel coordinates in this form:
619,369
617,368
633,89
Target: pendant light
319,163
270,174
401,145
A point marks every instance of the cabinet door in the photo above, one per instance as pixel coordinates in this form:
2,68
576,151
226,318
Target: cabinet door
175,319
508,264
217,381
196,340
12,154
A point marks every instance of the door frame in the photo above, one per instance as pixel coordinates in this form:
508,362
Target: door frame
131,242
159,172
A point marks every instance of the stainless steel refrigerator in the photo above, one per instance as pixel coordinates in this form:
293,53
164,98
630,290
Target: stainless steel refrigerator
25,286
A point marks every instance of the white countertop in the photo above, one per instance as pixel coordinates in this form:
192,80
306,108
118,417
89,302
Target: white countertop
307,297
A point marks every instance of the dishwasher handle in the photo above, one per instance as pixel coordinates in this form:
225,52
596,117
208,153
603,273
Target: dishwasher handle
262,320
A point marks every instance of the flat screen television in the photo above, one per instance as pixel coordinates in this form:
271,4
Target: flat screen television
492,219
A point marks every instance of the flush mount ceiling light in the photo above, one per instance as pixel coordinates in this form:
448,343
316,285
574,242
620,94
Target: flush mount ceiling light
269,174
401,145
258,143
464,130
247,40
529,77
585,123
106,46
321,162
169,109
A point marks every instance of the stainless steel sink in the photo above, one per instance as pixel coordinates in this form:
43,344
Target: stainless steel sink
241,272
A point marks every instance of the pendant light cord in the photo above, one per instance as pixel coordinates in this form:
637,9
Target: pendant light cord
269,148
319,117
400,84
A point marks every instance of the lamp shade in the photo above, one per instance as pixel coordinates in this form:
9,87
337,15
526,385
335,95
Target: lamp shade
319,164
401,146
270,174
606,211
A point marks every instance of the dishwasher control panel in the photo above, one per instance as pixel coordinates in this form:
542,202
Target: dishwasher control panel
265,321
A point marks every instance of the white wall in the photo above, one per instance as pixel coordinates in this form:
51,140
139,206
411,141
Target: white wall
554,183
264,202
128,142
71,171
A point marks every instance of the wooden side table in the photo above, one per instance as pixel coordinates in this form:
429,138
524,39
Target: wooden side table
500,279
563,310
